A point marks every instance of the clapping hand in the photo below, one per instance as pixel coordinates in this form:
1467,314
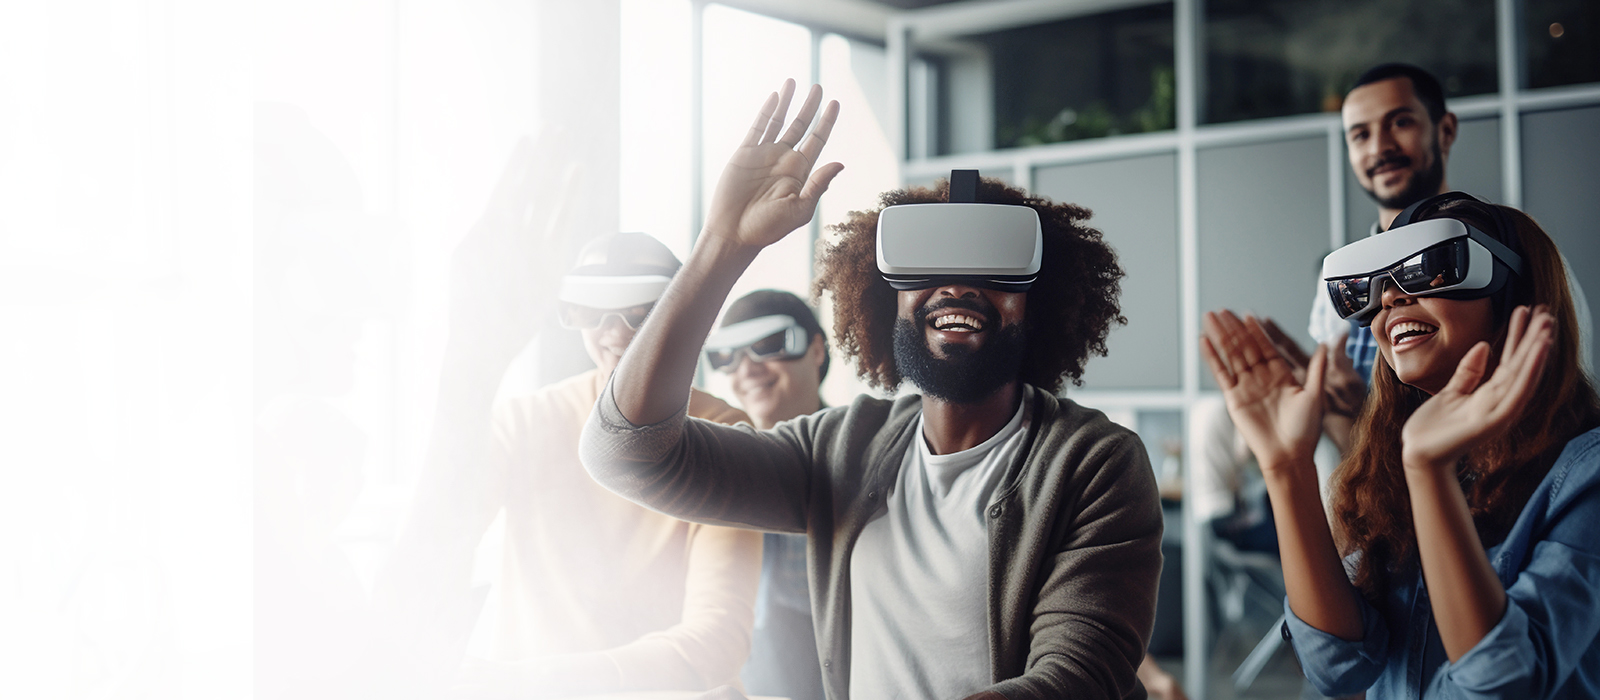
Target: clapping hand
1469,411
768,187
1276,409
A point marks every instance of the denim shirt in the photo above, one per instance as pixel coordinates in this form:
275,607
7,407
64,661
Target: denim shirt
1543,647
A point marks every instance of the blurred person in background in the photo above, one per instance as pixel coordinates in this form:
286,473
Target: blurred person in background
595,594
776,356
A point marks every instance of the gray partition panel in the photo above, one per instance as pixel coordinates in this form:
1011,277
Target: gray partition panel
1263,215
1135,206
1473,166
1561,189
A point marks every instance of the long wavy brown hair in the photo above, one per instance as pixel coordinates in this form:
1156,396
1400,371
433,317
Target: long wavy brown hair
1070,307
1371,504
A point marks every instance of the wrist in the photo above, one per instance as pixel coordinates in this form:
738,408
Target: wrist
724,245
1287,472
1427,465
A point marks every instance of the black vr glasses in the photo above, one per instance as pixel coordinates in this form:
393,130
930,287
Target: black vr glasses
1437,257
998,246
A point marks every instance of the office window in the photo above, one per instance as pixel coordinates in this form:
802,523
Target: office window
1273,58
1561,42
1085,77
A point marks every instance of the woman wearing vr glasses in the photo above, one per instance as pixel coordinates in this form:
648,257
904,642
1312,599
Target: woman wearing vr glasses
1461,561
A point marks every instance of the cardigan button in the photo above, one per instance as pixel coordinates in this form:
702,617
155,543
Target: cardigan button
1285,632
827,664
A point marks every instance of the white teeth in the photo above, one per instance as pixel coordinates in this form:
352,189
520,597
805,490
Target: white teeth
1405,329
949,320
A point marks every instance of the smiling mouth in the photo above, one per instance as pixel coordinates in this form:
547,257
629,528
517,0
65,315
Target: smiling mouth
956,323
1410,332
1389,165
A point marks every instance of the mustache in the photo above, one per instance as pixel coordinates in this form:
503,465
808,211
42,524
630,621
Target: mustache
1399,159
978,305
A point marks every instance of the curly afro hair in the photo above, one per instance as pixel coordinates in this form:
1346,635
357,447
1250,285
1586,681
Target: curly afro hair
1069,312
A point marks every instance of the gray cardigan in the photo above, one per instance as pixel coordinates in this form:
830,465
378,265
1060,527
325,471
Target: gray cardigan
1074,530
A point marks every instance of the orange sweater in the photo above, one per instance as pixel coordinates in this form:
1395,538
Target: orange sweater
584,570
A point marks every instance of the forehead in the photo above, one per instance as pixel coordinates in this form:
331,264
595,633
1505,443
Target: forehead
1370,102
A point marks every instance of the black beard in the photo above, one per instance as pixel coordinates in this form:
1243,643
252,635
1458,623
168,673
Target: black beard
963,376
1423,185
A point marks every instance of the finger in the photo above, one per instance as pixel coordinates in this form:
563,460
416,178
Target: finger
1316,369
1469,372
1225,379
1515,329
1242,354
819,136
1258,345
1287,346
1524,383
775,124
1534,347
1517,350
1216,337
1271,350
802,120
1341,359
819,181
763,117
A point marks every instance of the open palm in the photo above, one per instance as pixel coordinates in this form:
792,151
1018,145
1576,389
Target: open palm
768,187
1469,411
1278,415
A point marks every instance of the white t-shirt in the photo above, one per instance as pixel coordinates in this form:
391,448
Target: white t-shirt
920,573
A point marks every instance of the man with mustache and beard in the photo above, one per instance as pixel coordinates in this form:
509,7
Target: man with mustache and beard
985,539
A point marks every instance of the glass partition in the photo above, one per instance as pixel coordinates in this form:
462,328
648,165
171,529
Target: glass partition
1274,58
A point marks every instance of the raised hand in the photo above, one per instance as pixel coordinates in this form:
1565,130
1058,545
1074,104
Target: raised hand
505,271
769,187
1278,413
1469,411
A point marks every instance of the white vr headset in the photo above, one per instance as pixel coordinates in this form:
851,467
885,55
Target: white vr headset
1437,257
612,291
762,338
998,246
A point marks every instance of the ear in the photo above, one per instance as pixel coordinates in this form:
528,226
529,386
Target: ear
1447,133
816,350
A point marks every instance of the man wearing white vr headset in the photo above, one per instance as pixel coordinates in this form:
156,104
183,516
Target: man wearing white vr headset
984,539
597,594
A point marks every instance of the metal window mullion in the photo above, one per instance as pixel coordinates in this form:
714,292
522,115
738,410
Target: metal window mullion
1336,193
697,97
1186,56
1510,116
899,60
